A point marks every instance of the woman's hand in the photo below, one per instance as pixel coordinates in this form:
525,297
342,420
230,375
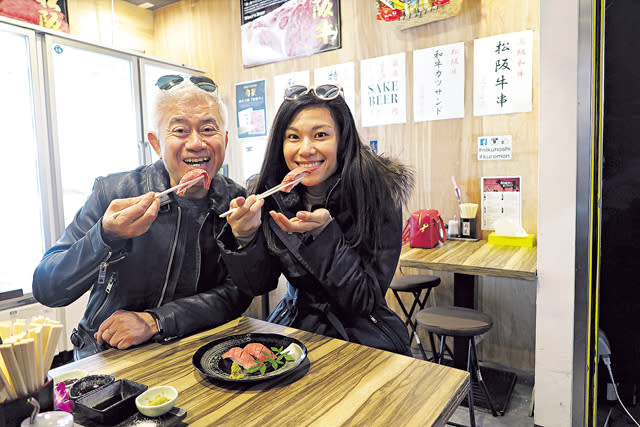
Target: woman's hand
246,220
304,221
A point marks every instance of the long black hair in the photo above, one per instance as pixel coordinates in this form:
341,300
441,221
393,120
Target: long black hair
368,181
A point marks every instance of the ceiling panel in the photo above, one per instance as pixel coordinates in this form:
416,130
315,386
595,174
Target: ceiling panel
157,4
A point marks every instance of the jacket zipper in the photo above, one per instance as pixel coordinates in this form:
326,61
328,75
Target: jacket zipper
326,201
173,252
387,333
102,271
107,291
199,263
282,314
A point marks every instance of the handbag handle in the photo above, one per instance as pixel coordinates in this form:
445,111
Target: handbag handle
406,233
443,233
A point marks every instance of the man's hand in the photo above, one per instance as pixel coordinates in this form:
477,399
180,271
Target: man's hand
124,329
246,220
128,218
304,221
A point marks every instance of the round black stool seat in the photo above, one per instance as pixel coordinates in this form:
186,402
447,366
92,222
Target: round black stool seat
454,321
413,283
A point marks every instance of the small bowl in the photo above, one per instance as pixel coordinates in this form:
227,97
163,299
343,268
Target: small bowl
157,400
89,384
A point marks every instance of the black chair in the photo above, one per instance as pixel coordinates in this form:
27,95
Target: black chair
415,284
460,322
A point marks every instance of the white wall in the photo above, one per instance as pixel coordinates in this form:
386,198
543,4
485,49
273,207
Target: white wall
556,212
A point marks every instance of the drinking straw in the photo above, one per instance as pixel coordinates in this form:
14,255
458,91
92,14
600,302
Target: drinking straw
456,189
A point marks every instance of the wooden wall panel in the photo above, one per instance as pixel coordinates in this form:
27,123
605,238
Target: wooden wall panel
129,27
206,34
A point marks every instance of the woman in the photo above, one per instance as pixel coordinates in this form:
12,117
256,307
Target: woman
336,236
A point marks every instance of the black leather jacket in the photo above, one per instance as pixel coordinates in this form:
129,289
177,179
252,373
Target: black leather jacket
138,274
334,289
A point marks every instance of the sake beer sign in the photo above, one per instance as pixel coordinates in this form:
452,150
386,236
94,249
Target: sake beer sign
383,90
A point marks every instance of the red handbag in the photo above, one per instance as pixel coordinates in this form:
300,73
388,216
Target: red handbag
424,229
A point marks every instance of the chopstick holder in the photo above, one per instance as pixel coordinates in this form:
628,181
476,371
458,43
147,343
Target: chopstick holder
268,193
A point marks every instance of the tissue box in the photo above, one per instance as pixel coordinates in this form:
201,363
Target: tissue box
528,241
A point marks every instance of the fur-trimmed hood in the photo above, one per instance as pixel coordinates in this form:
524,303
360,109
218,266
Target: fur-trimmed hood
400,178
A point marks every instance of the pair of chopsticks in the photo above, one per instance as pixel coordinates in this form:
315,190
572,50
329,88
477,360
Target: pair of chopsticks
186,185
26,355
269,192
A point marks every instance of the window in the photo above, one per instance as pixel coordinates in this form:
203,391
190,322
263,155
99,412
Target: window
21,222
52,153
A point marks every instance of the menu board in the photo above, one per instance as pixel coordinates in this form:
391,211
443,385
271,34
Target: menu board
501,198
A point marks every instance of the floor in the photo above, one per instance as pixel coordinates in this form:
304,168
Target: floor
518,408
517,414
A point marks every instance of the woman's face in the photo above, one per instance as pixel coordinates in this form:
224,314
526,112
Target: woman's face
312,139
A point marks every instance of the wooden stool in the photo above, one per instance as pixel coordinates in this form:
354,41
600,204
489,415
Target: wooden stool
459,322
415,284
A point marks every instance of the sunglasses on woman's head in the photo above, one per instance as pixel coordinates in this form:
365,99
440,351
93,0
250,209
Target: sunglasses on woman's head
204,83
326,92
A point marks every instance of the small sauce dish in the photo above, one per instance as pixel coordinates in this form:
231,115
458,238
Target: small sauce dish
157,400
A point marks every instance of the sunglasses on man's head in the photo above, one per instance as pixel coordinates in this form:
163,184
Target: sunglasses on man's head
204,83
326,92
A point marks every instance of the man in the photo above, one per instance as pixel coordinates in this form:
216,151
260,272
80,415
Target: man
151,263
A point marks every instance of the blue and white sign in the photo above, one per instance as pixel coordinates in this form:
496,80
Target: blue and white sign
494,147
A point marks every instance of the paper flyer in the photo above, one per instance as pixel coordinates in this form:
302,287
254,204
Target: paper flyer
383,90
342,74
438,82
501,198
502,74
251,111
283,81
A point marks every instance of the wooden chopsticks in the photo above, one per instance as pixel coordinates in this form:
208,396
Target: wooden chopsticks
268,193
26,355
186,185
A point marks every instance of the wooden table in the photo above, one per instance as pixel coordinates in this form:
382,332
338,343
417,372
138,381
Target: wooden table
343,383
467,260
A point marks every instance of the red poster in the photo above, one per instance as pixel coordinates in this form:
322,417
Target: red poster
49,14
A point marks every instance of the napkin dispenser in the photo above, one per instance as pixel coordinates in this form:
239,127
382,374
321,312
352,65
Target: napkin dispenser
509,234
527,241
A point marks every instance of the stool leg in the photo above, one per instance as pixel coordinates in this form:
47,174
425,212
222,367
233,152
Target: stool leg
433,347
440,357
473,354
409,319
472,415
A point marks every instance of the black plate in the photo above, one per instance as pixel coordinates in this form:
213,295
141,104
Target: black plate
209,362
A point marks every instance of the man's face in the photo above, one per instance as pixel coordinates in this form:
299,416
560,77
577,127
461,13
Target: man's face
191,137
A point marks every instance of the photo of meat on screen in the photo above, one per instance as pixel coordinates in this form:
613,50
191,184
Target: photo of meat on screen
277,30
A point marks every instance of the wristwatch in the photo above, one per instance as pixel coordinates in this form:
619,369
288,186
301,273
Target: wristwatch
157,319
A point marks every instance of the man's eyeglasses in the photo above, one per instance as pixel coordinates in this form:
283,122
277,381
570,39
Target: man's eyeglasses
326,92
204,83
